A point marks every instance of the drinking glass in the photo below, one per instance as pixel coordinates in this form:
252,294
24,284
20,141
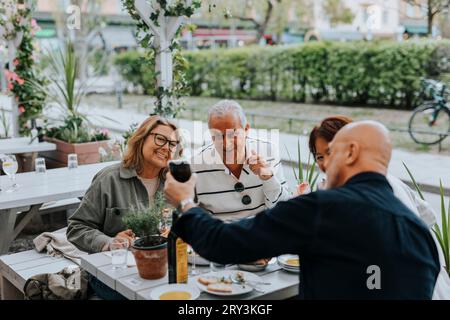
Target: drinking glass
215,267
119,252
72,161
193,269
10,167
39,165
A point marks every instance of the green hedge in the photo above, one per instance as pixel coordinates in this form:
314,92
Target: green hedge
134,67
356,73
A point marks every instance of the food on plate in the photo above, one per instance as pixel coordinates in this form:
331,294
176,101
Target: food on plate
293,262
208,280
240,277
225,280
175,295
220,287
216,284
262,262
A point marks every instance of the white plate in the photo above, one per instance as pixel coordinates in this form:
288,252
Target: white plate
199,261
282,262
290,269
157,292
237,289
252,267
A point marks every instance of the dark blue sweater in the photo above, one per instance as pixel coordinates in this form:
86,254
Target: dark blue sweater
338,235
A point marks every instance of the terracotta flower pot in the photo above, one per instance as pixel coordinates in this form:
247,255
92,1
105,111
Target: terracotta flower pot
151,260
87,152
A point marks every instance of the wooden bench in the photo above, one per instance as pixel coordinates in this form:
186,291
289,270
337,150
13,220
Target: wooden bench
17,268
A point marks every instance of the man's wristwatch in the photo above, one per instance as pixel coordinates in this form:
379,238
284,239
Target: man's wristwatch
185,202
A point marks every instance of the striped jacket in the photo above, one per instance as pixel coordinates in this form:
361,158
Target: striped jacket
216,184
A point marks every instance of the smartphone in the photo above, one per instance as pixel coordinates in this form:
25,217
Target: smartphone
180,170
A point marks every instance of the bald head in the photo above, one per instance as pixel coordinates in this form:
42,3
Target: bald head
372,137
363,146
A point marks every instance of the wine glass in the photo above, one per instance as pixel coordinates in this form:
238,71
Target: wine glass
193,268
10,167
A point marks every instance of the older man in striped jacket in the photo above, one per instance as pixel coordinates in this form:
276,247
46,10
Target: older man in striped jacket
238,176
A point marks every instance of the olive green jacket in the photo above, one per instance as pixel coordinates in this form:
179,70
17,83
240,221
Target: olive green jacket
114,190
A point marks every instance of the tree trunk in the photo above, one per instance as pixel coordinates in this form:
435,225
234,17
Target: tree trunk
430,17
263,26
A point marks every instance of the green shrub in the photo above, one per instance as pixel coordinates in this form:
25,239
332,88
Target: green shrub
134,68
354,73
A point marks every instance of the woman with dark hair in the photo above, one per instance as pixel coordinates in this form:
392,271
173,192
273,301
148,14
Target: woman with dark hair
324,133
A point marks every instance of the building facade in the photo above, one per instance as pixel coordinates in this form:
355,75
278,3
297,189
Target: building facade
373,19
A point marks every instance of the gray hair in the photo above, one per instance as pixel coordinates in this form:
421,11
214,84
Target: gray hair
227,107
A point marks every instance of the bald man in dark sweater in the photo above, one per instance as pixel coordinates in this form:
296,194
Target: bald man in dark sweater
355,240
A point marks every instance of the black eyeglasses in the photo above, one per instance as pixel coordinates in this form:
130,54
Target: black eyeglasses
246,199
161,141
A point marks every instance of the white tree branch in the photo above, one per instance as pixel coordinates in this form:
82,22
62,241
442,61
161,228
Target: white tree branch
174,24
144,10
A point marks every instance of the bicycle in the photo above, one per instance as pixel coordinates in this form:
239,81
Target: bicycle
430,122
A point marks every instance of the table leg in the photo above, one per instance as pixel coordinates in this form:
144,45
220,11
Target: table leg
29,215
7,222
9,291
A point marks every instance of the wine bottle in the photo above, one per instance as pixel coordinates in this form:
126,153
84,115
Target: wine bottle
177,255
34,132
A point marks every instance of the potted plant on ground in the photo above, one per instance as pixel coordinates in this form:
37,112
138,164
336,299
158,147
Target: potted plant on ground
306,181
442,234
73,134
150,247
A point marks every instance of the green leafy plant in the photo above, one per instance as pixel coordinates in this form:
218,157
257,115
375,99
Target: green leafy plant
64,91
147,221
167,99
443,235
18,20
311,175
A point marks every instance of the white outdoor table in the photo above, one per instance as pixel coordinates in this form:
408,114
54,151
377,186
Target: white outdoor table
37,189
127,281
16,269
22,145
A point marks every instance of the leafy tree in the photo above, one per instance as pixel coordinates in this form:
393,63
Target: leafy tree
433,8
263,15
91,25
337,12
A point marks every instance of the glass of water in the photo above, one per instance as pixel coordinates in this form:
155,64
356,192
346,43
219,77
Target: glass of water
72,161
39,165
10,167
119,252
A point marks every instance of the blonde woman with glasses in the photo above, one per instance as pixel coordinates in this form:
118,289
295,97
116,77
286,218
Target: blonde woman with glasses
131,183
